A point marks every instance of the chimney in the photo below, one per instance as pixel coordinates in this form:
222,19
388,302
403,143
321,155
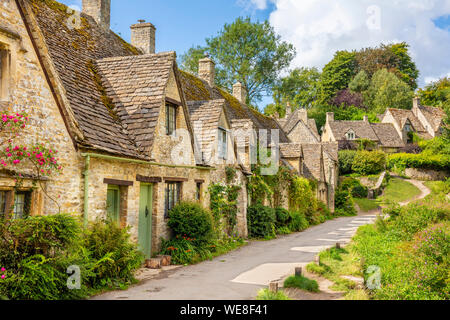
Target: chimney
330,117
288,109
240,93
303,114
143,36
100,10
207,70
366,119
416,102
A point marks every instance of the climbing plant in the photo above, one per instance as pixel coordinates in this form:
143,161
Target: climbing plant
224,207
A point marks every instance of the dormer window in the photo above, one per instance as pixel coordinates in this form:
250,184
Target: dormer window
408,127
350,135
4,73
223,150
171,118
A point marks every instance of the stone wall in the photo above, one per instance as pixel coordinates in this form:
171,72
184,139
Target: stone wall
427,175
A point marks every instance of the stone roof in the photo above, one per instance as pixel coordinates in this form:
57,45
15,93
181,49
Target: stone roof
73,53
401,116
433,115
205,117
136,86
196,89
331,149
362,130
312,162
293,119
387,135
291,150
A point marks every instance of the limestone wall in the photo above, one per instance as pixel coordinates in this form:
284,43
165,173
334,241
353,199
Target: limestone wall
427,175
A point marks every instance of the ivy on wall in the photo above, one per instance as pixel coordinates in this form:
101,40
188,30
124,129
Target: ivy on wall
224,207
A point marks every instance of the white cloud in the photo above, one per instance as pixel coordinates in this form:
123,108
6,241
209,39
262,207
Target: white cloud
318,28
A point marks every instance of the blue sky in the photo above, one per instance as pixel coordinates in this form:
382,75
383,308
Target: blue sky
317,28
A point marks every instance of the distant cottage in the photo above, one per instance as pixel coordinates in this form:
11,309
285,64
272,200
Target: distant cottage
113,109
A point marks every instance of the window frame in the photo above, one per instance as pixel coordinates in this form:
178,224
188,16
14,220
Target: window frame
168,202
116,189
26,209
222,147
5,71
198,191
171,118
353,135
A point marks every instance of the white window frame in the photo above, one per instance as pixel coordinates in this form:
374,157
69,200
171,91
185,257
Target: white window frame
350,135
222,145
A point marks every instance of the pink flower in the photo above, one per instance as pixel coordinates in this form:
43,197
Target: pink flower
16,161
3,269
3,276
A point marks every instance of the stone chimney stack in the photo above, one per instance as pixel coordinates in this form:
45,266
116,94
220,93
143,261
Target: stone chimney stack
100,10
288,109
207,70
416,102
330,117
143,36
240,93
303,115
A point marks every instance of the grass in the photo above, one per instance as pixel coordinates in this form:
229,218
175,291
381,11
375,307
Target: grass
366,205
266,294
399,190
301,282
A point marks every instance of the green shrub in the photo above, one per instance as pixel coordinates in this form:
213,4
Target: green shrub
115,257
283,217
301,282
344,205
369,162
261,221
191,220
346,158
360,191
298,222
400,161
265,294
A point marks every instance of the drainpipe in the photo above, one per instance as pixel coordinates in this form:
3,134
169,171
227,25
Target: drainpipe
86,190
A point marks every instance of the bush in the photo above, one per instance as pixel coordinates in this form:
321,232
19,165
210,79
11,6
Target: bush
344,205
266,294
298,222
369,162
301,282
419,161
261,221
346,158
191,220
115,257
360,191
283,217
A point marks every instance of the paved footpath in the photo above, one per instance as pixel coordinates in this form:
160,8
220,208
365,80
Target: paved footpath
240,274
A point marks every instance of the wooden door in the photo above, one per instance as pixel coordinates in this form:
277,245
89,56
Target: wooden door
145,219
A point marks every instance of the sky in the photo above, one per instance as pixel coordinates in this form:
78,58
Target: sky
317,28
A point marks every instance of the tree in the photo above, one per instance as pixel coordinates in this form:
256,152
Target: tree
248,52
299,88
388,91
189,60
360,83
346,98
337,75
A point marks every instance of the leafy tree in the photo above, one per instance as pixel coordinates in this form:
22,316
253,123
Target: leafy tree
248,52
360,83
388,91
436,93
189,60
346,98
406,66
337,75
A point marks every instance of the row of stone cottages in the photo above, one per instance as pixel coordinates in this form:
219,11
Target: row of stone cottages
114,110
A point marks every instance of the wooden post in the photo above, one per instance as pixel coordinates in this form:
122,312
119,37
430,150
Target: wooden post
317,260
338,245
298,272
273,287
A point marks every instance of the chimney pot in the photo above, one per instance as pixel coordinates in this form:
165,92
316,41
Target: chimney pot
100,10
207,70
143,36
240,93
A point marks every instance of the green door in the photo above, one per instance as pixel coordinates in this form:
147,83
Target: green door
112,203
145,219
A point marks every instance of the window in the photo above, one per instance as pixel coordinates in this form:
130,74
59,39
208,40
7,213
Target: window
173,196
350,135
171,118
113,203
198,192
222,144
22,202
4,73
408,127
3,202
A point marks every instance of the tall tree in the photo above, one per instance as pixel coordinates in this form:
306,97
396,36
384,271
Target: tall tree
336,75
388,91
248,52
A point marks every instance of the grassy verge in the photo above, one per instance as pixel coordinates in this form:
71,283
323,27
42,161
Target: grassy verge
399,190
301,282
266,294
366,205
411,250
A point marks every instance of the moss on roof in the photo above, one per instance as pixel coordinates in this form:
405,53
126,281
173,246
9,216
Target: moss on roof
195,89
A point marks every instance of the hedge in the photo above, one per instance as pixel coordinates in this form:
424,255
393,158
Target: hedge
438,162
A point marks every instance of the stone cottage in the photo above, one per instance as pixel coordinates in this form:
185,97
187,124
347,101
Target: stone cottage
425,121
346,133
